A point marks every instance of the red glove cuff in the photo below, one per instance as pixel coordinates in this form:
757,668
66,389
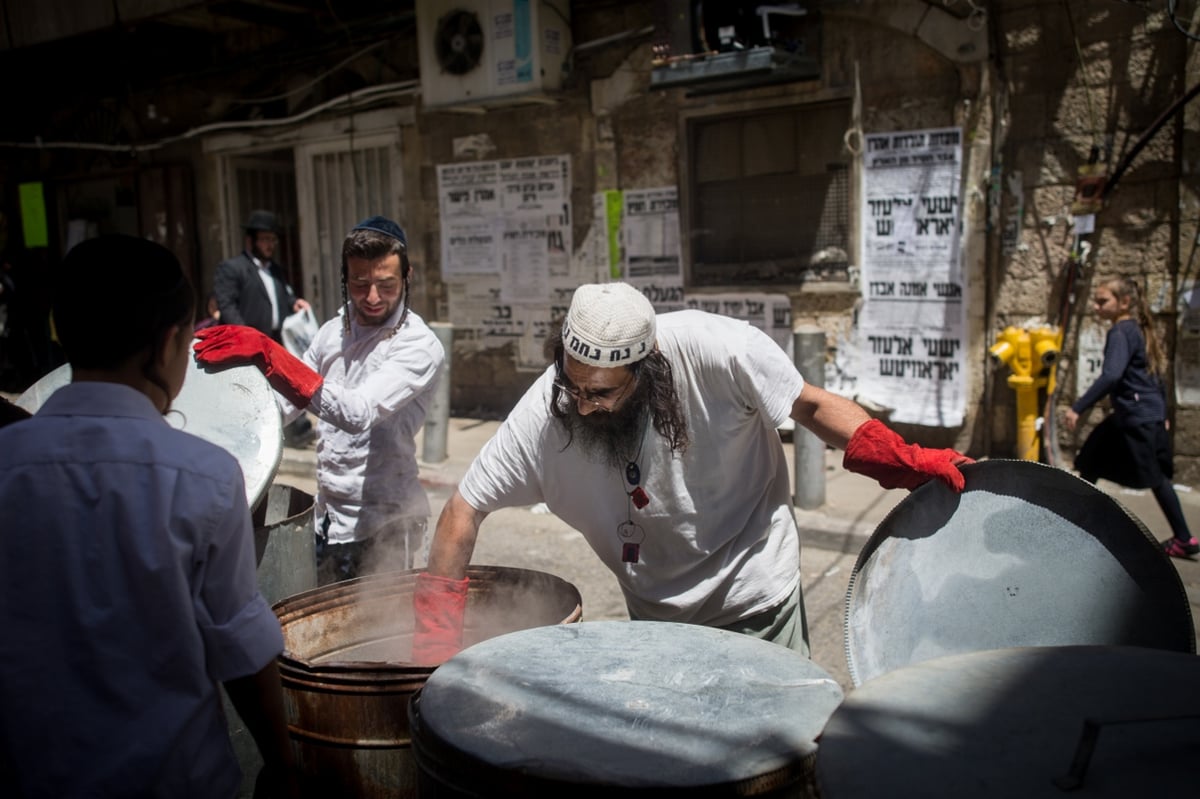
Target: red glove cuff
289,375
239,344
439,605
880,453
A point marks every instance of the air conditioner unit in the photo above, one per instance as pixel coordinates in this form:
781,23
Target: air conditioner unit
491,52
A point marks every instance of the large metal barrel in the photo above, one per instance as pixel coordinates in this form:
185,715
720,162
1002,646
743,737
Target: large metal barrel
346,676
284,543
285,552
1026,555
609,708
1043,721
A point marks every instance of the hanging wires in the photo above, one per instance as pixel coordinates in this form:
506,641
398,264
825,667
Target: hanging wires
1173,13
1087,89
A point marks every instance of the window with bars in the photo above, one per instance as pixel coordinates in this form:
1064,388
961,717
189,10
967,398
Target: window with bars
770,197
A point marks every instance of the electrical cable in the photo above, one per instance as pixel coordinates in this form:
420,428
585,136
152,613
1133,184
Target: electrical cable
354,99
314,81
1172,12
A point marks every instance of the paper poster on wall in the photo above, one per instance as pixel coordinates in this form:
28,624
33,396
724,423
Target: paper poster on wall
1187,345
524,261
507,251
912,331
469,204
770,313
650,245
538,321
1089,355
481,205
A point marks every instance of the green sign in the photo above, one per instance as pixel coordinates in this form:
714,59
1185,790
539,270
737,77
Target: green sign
33,215
614,204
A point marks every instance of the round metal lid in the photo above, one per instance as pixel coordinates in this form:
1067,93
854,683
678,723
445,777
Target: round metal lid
1013,722
233,408
627,703
1027,555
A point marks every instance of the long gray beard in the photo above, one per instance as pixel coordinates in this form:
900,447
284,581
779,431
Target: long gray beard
612,438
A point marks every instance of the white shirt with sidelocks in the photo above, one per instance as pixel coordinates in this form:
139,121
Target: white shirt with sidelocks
128,591
376,392
720,539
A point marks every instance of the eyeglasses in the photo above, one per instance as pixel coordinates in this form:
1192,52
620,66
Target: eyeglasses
595,399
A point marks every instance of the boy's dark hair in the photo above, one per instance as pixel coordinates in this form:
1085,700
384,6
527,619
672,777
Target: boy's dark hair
116,296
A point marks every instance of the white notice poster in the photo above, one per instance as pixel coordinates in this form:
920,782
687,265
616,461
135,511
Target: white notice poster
650,244
912,326
510,218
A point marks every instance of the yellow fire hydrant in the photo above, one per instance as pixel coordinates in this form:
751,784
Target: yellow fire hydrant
1031,356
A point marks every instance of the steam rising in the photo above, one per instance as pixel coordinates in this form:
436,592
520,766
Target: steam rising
370,620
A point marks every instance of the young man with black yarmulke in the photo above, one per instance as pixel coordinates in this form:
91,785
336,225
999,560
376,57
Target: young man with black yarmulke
369,377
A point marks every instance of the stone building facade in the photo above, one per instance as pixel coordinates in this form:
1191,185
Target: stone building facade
1042,92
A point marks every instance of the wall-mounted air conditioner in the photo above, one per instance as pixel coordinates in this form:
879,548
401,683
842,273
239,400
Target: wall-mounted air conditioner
491,52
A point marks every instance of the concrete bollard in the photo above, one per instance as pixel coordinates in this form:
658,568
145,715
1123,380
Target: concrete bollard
437,420
809,355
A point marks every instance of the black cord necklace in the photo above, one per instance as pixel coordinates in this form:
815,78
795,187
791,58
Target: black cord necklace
631,535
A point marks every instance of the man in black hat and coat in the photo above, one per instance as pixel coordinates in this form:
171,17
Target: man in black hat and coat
250,287
251,290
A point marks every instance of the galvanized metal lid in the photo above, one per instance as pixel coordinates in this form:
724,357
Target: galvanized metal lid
601,705
1018,722
1027,555
233,408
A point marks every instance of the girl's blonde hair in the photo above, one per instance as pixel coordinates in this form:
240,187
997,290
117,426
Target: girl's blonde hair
1126,288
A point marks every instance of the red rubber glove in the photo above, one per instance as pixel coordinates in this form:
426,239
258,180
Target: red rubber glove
879,452
439,605
238,344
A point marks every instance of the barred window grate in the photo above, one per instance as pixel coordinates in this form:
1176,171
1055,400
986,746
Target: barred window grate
770,197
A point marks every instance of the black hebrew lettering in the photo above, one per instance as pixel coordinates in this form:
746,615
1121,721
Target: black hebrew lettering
890,345
941,347
921,370
939,205
733,308
941,227
660,294
884,207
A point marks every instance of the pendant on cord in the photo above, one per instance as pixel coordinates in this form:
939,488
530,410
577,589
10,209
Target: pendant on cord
631,536
633,476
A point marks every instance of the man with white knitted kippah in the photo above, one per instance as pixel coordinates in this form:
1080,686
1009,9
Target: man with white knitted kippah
656,437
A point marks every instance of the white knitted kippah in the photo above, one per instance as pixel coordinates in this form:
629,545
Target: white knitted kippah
608,325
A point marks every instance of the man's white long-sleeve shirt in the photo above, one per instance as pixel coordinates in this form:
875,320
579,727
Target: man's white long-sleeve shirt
376,392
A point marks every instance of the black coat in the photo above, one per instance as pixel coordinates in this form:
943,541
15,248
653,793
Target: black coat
243,298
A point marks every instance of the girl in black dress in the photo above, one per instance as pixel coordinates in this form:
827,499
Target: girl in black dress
1131,446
